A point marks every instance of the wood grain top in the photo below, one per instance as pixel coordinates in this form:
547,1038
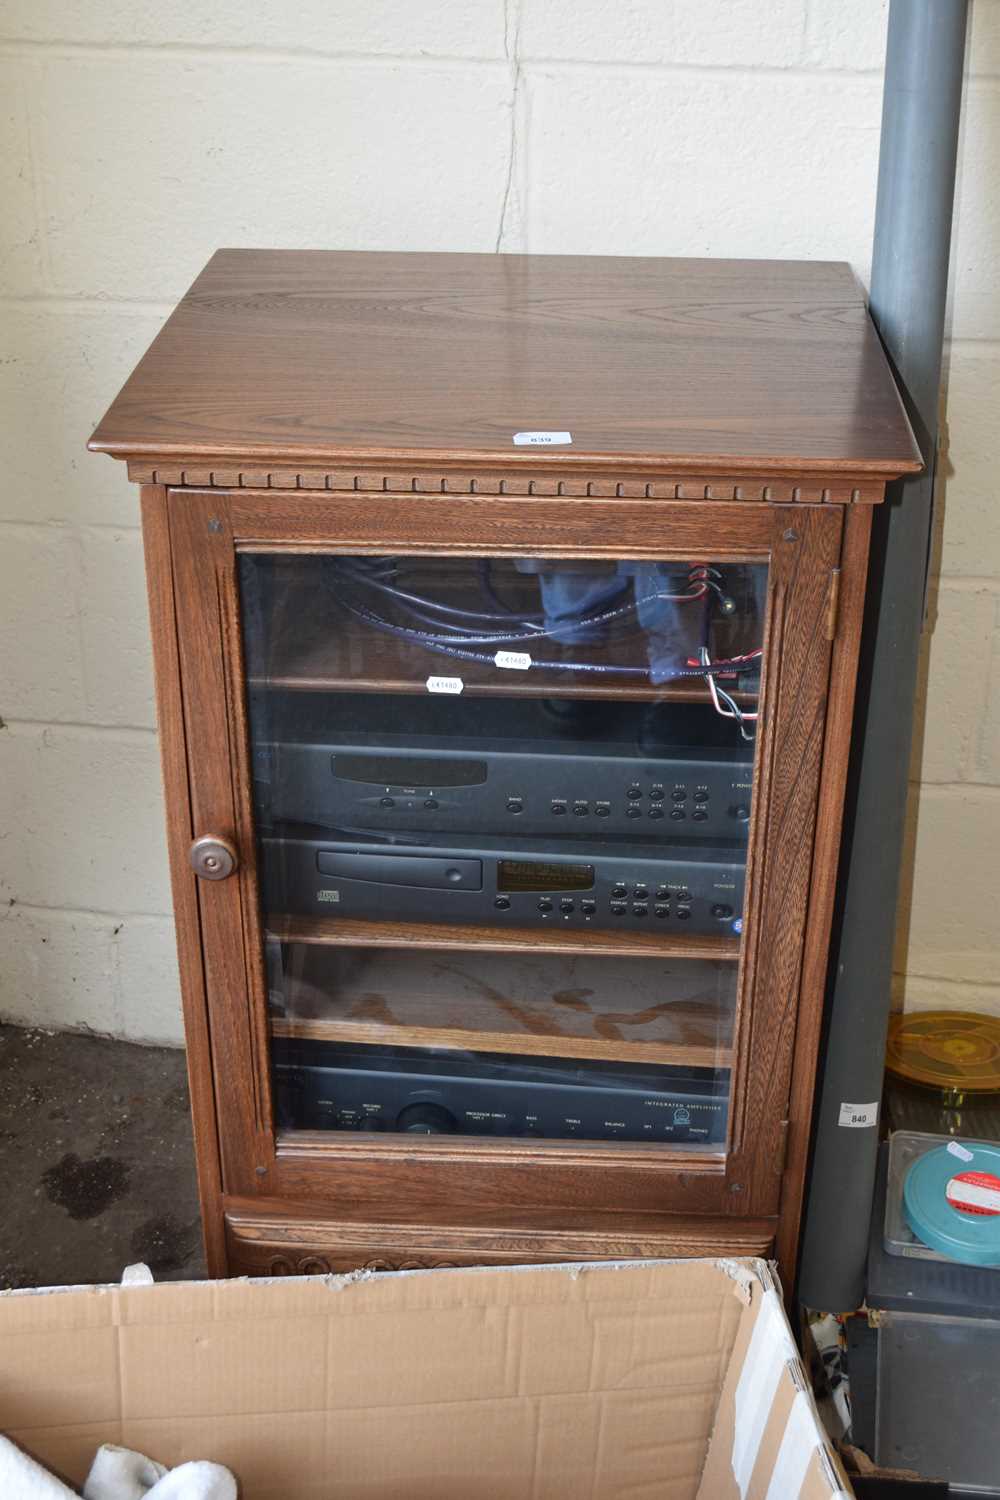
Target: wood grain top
708,366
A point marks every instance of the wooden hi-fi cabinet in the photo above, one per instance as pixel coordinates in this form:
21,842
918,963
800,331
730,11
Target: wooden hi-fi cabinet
505,616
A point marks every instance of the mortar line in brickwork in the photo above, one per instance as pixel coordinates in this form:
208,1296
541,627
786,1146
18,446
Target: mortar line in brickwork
84,302
188,52
988,789
951,979
27,85
79,729
967,583
193,51
10,906
68,525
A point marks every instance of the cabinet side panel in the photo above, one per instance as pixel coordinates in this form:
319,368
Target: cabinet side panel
173,757
836,750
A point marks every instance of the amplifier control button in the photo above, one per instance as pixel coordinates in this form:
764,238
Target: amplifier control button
566,906
545,904
619,891
656,794
633,811
721,910
661,911
677,813
634,793
684,912
701,794
502,903
684,895
656,812
602,809
515,805
700,814
679,794
640,892
431,803
663,893
387,802
558,807
588,907
640,909
618,908
742,813
581,809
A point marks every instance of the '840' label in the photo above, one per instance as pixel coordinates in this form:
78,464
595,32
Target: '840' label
858,1116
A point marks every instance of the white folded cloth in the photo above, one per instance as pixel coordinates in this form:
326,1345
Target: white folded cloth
121,1474
116,1474
22,1479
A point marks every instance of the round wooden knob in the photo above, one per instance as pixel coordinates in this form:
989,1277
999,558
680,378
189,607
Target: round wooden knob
213,858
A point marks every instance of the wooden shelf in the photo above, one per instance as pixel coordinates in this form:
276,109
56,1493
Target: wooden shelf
618,1010
340,931
315,645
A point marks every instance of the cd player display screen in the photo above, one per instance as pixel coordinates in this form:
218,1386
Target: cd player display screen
524,875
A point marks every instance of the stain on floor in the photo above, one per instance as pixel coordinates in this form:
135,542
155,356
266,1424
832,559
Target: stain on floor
86,1188
97,1160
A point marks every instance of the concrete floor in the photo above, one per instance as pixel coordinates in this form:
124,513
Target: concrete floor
96,1160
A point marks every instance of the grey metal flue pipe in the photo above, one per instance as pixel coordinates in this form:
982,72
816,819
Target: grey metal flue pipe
913,215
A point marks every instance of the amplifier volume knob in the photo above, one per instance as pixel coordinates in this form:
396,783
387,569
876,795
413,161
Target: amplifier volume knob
425,1119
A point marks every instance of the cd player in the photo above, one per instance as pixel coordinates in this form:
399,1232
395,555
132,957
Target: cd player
326,1086
518,768
578,883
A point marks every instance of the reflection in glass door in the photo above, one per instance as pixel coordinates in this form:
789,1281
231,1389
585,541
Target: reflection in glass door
502,809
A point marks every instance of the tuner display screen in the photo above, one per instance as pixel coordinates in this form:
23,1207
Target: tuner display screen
530,875
409,770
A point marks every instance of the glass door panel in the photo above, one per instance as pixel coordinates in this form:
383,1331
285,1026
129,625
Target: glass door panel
502,810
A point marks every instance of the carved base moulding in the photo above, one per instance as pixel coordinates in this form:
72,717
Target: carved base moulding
790,490
258,1246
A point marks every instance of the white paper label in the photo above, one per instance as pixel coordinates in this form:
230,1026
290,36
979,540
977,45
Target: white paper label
974,1193
954,1149
517,661
445,684
541,439
858,1116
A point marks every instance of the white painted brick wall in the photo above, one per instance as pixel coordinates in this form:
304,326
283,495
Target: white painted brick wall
137,138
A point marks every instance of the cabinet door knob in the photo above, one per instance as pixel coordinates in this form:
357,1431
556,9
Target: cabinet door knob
213,858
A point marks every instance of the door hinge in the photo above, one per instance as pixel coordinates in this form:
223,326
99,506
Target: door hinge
833,604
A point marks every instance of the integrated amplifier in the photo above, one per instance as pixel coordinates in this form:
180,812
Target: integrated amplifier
523,770
324,1086
578,883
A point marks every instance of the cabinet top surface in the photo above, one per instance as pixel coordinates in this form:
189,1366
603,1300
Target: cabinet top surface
313,355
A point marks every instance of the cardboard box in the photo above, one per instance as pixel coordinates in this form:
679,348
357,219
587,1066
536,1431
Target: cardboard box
673,1380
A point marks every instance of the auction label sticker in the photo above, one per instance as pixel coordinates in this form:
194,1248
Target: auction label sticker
858,1116
542,439
445,684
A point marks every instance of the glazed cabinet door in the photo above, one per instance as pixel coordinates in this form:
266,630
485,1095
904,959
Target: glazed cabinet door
503,817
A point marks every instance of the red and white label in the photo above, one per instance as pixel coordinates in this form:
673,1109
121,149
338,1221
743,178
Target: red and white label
974,1192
